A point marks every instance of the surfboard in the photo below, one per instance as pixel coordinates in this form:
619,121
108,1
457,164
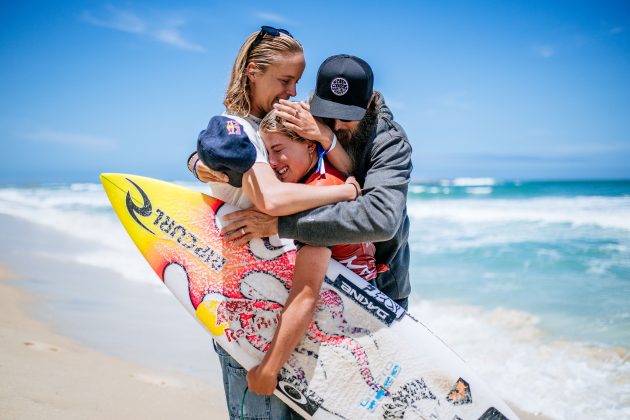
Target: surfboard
363,356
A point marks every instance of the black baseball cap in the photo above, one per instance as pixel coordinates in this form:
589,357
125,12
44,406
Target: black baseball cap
344,88
225,147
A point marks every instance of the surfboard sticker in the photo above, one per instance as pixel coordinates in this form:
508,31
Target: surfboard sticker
370,298
492,414
460,394
363,356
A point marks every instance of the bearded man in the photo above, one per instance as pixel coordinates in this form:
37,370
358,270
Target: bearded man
346,108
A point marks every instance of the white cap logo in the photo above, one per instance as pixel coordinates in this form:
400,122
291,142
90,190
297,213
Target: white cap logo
339,86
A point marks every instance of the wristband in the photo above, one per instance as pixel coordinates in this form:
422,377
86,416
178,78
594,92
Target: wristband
357,189
194,171
190,157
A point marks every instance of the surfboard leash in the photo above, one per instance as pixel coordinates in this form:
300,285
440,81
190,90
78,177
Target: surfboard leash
243,402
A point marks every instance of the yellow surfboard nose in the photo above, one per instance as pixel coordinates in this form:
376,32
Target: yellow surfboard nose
114,181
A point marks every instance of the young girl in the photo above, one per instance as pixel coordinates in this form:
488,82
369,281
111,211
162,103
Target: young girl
296,160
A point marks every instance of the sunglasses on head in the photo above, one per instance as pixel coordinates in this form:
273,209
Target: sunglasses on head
268,30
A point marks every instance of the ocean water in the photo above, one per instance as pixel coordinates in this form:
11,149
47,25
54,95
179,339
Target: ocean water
528,281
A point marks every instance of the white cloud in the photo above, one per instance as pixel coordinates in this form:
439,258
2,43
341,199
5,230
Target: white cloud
119,20
270,17
71,139
171,36
164,31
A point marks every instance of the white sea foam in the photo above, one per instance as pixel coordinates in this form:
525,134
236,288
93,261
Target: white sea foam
417,189
86,187
479,190
472,182
81,211
559,379
605,212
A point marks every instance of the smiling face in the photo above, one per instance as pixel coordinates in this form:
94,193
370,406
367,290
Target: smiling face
290,159
278,81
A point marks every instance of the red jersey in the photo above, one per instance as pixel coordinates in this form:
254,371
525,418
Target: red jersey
357,257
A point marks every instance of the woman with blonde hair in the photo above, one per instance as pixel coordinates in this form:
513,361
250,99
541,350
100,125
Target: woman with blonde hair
267,68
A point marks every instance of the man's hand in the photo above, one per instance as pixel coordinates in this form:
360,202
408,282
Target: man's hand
248,224
298,117
260,381
203,173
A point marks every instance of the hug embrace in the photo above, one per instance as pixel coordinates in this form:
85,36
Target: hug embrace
331,174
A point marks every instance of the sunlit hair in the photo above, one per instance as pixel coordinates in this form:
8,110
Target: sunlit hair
267,52
272,123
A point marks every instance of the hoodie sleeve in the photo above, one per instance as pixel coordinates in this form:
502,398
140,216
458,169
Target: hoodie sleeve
375,216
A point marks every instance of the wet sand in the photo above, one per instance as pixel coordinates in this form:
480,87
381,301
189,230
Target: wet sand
46,375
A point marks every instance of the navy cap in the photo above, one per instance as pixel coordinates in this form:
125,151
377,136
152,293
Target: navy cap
225,147
344,88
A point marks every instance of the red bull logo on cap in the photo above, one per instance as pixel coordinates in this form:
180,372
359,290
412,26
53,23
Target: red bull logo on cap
233,128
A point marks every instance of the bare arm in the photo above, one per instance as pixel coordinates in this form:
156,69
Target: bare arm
277,198
310,268
298,117
245,225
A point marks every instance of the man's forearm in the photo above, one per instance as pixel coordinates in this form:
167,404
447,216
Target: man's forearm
374,217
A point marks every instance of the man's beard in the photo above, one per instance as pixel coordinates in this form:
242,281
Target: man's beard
354,141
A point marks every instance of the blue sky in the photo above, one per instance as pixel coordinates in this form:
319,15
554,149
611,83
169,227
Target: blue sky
510,90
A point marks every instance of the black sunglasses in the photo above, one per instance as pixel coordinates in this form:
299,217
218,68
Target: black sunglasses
268,30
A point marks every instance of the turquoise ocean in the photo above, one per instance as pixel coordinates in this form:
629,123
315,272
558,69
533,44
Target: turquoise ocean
529,281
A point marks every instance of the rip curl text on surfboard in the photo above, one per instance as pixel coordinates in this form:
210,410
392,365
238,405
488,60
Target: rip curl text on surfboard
189,241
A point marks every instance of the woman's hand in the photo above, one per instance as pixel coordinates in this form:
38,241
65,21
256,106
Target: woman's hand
203,173
260,381
247,225
298,118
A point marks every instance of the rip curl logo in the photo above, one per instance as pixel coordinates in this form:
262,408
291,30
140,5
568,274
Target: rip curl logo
339,86
233,128
134,210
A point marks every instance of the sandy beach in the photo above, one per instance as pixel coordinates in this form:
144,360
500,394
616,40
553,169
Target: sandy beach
46,375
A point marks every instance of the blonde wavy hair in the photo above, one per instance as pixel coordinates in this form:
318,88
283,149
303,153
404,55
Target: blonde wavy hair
272,123
267,52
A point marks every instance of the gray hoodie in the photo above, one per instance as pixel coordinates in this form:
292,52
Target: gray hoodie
379,215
